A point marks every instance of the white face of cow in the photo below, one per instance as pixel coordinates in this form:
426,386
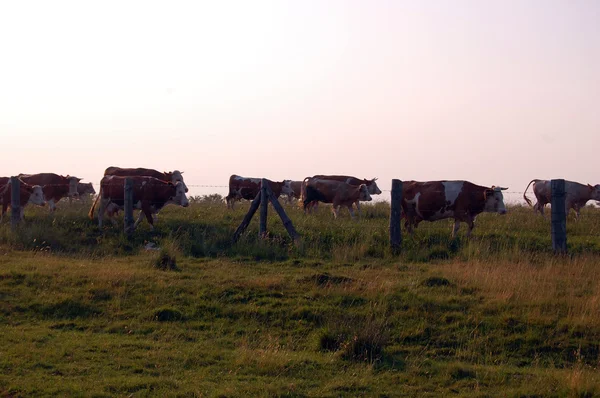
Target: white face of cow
37,196
373,188
180,197
364,195
286,189
73,181
494,202
177,176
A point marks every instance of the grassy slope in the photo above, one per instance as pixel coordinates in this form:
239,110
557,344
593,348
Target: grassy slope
497,316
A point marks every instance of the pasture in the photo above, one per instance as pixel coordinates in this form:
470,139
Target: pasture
88,312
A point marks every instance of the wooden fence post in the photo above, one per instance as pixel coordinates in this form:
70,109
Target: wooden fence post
247,218
15,202
395,215
559,217
287,223
264,203
128,205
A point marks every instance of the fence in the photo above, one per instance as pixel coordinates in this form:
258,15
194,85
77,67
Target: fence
558,224
558,213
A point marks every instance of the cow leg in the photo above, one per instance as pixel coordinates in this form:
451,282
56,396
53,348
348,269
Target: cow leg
471,224
456,228
139,219
335,211
351,210
52,205
358,207
101,212
22,213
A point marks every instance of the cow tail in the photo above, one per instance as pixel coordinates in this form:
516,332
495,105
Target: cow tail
91,213
525,196
303,192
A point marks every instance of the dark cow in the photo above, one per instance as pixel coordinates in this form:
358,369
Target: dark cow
336,192
149,195
576,195
371,185
55,187
247,188
85,188
27,194
174,176
461,200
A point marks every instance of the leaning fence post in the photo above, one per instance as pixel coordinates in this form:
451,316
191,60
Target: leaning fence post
15,202
559,217
264,203
128,204
395,214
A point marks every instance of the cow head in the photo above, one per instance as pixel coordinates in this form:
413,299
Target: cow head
494,200
373,188
180,197
594,191
73,181
37,196
86,188
177,176
286,188
364,195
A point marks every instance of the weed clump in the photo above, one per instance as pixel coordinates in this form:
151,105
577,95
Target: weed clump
165,261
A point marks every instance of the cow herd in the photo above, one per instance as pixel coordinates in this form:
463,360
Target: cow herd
421,201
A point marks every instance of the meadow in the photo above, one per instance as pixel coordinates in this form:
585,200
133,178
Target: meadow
182,311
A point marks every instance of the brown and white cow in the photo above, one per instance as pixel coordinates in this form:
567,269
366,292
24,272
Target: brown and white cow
437,200
149,195
295,191
55,187
371,185
174,176
336,192
27,194
247,188
576,195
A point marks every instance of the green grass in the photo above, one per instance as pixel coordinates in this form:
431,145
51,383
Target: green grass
89,312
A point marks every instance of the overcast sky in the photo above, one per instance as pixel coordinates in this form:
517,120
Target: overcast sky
495,92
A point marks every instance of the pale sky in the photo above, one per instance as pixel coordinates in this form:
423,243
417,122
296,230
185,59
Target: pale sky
495,92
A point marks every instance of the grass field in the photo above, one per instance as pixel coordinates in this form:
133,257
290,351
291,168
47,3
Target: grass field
88,312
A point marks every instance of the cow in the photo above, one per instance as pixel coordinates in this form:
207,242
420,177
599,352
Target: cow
149,195
338,193
437,200
55,187
295,191
371,185
85,188
576,195
27,194
174,176
247,188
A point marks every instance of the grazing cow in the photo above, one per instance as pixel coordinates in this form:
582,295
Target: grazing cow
247,188
149,195
461,200
371,185
336,192
85,188
27,194
55,187
174,176
576,195
295,191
